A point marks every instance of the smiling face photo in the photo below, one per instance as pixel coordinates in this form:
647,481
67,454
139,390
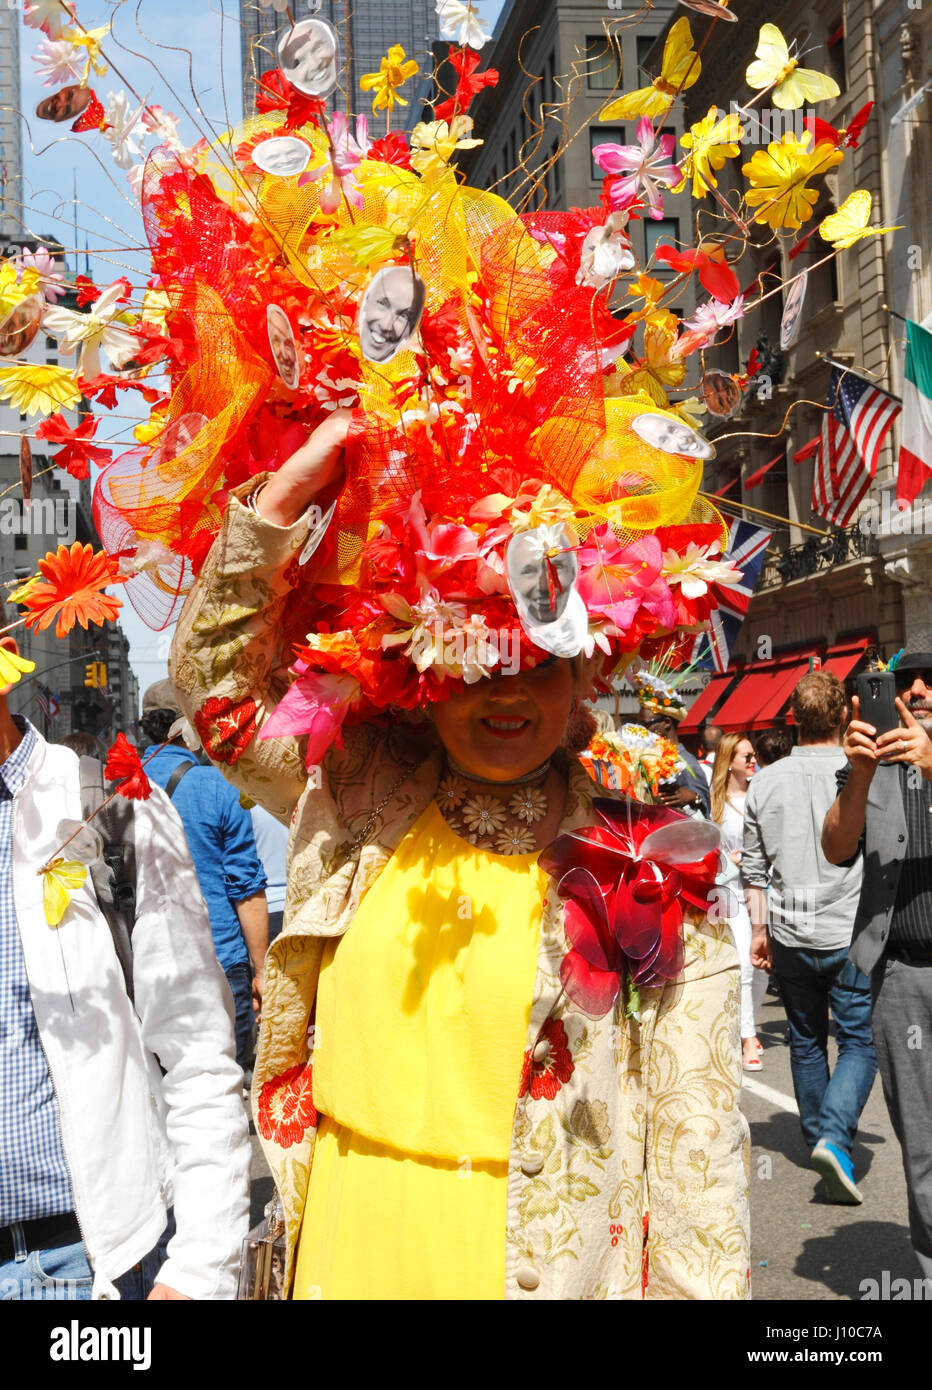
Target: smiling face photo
789,324
390,312
20,326
541,566
282,156
308,57
282,343
65,104
180,434
672,436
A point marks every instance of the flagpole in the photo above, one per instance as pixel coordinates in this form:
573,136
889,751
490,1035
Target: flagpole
902,317
824,357
787,521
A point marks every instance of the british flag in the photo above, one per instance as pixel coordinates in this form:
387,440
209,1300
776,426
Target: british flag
745,550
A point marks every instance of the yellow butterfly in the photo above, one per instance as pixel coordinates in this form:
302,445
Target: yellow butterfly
679,69
59,881
792,85
12,666
849,224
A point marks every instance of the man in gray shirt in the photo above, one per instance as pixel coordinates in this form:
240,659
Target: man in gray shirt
812,906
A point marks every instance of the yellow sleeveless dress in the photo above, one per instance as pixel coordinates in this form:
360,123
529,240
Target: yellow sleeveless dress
422,1015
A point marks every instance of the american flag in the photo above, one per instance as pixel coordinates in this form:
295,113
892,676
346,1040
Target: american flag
745,550
853,429
47,702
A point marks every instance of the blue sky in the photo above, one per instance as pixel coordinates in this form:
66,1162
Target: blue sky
183,55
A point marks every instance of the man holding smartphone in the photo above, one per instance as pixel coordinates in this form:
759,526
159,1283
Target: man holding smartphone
884,810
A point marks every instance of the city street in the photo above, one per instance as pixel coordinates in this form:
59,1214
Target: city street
802,1247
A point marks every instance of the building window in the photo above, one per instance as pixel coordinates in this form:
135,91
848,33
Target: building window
666,230
835,52
645,43
603,72
604,135
20,542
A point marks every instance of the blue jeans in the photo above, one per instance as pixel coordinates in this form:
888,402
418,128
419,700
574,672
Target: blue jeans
63,1272
811,982
239,978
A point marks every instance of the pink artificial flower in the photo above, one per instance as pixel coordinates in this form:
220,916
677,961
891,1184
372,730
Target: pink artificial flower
315,707
712,315
347,154
58,62
51,281
49,15
639,168
617,581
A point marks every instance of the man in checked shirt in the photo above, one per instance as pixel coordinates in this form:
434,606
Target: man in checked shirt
111,1110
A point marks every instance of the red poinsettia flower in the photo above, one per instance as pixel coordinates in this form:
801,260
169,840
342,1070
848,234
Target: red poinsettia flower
391,149
625,882
464,61
124,766
286,1107
544,1076
275,93
224,728
77,453
714,272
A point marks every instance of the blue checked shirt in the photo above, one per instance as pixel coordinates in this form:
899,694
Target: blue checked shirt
34,1179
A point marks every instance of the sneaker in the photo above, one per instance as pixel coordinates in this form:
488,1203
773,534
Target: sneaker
837,1172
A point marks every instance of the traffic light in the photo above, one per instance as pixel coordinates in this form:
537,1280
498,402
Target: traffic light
95,675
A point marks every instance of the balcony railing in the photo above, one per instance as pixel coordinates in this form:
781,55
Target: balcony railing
815,555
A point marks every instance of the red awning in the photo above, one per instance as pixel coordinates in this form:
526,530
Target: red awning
763,691
706,699
758,476
841,660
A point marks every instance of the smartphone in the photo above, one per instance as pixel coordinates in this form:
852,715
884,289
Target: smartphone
876,692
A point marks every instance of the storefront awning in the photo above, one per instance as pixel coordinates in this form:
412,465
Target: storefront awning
707,700
762,692
841,660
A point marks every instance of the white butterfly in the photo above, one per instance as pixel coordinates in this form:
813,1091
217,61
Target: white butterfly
460,24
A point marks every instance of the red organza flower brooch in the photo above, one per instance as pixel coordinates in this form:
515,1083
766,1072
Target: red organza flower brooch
625,882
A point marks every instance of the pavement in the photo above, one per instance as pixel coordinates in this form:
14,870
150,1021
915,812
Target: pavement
802,1246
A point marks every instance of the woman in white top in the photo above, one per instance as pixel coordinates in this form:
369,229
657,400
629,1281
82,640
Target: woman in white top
732,770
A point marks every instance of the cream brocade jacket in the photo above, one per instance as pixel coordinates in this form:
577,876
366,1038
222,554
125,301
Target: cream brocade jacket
628,1173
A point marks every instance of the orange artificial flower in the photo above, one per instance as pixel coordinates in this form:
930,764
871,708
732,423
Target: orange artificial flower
73,589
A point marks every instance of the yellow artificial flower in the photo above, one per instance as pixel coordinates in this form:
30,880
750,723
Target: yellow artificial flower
20,594
778,177
151,429
364,245
155,307
658,367
13,291
13,666
393,72
90,40
690,411
711,141
433,144
59,880
647,288
33,388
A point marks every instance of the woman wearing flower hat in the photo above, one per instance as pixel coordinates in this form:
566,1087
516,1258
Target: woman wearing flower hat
465,1086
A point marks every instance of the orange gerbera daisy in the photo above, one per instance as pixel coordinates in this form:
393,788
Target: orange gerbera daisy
73,589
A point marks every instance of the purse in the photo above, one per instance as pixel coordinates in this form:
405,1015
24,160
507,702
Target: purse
262,1274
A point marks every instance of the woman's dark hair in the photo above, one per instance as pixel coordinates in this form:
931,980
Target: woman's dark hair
772,745
157,723
85,745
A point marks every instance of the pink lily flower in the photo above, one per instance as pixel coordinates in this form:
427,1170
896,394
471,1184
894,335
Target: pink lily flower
643,167
616,581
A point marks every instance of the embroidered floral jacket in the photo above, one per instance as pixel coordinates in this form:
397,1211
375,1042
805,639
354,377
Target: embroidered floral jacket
628,1164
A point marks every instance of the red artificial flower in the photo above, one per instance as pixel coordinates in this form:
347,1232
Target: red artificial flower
72,589
714,272
123,765
275,93
286,1107
154,346
88,292
391,149
545,1076
464,61
77,453
105,387
93,117
225,729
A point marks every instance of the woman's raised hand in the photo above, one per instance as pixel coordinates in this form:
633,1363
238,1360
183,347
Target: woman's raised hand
289,492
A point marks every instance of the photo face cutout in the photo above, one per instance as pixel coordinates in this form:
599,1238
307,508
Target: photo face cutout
282,156
720,392
541,567
792,313
179,435
390,312
20,326
65,104
284,348
672,436
710,7
308,54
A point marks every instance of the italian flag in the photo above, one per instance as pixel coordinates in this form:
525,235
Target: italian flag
916,421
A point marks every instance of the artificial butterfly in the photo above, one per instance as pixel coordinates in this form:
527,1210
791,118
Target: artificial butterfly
822,133
92,117
679,69
792,85
849,224
13,666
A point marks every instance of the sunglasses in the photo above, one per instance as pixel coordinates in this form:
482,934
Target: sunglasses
904,679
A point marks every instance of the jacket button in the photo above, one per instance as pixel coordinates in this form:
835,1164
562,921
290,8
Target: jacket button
542,1050
528,1278
532,1163
901,838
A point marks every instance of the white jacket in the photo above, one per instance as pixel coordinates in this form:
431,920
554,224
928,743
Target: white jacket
136,1141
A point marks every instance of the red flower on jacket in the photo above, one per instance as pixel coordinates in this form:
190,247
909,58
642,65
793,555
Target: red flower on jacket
224,728
544,1077
286,1107
123,765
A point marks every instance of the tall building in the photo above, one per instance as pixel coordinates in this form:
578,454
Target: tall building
11,150
367,29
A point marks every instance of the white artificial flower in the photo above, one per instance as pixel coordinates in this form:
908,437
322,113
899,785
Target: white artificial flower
163,125
696,571
135,179
58,62
123,122
460,24
49,15
93,331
